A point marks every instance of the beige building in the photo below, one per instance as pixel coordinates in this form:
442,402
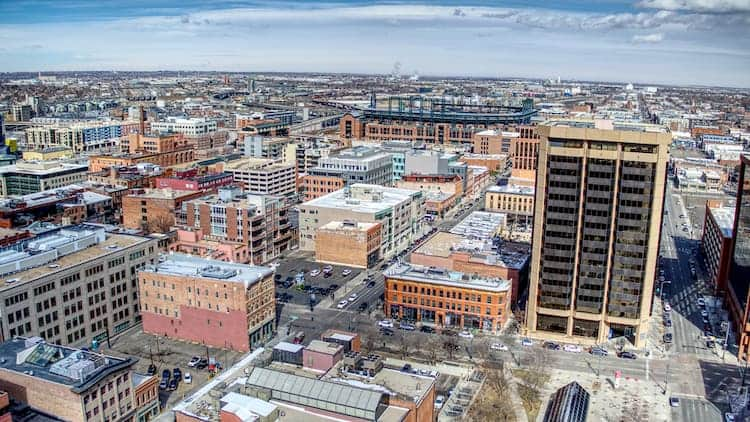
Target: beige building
399,211
598,207
28,177
348,243
265,176
72,285
516,201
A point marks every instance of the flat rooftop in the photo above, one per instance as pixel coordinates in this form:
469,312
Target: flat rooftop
348,226
513,189
43,168
444,244
323,347
363,198
112,243
604,124
724,217
74,368
164,193
194,267
443,277
480,225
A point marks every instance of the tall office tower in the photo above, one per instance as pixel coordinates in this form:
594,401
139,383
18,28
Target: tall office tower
739,270
597,220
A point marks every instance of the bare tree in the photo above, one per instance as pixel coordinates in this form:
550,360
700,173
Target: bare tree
492,402
405,345
160,223
450,345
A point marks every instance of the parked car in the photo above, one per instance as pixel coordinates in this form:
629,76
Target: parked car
499,346
627,355
188,378
202,364
729,417
406,368
406,326
314,273
327,268
172,385
598,351
426,329
667,308
449,333
704,313
667,337
342,304
353,298
573,348
177,373
151,369
674,402
466,334
386,332
346,272
439,402
194,361
163,384
667,322
527,342
385,323
333,287
551,345
362,306
371,284
166,374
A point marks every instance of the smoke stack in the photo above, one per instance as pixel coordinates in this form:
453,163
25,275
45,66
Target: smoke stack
142,118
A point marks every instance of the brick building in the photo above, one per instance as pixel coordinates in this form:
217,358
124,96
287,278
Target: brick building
154,210
216,303
146,396
349,243
507,261
259,221
524,151
162,159
206,182
72,384
515,201
449,299
716,244
492,142
493,162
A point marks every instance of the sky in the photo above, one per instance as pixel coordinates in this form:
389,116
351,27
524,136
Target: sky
685,42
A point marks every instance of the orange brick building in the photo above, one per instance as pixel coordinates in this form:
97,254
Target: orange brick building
314,186
154,210
350,243
524,151
493,162
219,304
153,144
146,396
436,296
98,163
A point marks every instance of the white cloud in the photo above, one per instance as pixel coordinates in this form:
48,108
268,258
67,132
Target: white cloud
703,6
648,38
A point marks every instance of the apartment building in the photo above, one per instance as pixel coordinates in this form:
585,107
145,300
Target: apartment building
154,210
259,221
360,164
264,147
201,133
716,244
399,211
447,299
98,163
80,136
72,285
263,176
524,150
487,258
73,384
442,192
155,143
305,154
597,219
493,142
27,177
349,243
219,304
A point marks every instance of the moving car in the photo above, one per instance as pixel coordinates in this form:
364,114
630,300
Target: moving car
667,308
627,355
371,284
439,402
704,313
573,348
188,378
362,306
385,323
342,304
353,298
551,345
526,342
499,346
668,338
598,351
406,326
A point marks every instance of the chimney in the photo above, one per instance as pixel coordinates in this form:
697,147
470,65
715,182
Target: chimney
142,119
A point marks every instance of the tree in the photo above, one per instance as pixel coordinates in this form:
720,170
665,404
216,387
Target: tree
160,223
450,345
492,403
405,345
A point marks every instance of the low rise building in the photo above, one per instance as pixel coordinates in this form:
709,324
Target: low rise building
194,242
355,165
492,141
53,285
349,243
716,244
215,303
320,356
399,211
263,176
72,384
161,159
504,260
515,201
493,162
26,177
48,154
154,210
146,396
448,299
205,182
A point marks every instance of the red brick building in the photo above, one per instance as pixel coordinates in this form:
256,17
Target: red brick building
716,243
215,303
154,210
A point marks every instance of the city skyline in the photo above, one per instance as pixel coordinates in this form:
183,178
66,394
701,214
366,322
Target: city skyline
650,41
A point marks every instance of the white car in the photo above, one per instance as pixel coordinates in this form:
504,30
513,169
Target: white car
439,402
572,348
667,308
188,378
704,313
314,273
465,334
353,298
342,304
346,272
499,346
386,323
527,342
194,361
729,417
701,302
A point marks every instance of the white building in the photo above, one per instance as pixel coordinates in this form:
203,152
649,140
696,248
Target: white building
189,127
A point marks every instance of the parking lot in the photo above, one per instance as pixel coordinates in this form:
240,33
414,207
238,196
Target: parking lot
319,284
168,354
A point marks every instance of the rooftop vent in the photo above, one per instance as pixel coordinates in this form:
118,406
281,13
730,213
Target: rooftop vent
214,271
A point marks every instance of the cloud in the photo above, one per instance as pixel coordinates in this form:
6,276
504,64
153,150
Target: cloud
702,6
459,12
648,38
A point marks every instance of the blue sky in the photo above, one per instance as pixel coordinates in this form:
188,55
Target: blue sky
702,42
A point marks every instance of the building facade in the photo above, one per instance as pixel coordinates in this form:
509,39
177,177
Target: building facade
738,300
448,299
26,178
515,201
73,285
219,304
361,164
716,244
349,243
263,176
154,210
597,221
